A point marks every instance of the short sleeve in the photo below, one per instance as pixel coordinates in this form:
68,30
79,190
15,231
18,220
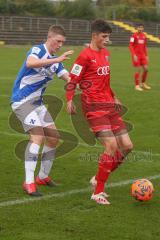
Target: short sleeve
76,74
35,52
60,70
132,39
78,69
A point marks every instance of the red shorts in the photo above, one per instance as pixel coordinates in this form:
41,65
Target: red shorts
141,61
108,119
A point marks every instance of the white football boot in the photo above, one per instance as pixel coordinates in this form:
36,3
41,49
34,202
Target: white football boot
138,88
100,198
145,86
93,183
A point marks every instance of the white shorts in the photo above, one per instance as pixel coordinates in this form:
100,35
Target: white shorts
32,116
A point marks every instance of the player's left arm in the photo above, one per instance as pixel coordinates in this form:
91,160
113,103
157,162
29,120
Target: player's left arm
118,104
145,49
117,101
76,74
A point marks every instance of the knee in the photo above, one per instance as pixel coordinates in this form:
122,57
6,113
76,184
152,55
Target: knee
145,68
114,147
38,139
52,141
111,148
137,70
52,138
37,135
128,147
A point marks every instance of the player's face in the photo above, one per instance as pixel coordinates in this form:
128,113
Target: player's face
101,39
56,42
140,29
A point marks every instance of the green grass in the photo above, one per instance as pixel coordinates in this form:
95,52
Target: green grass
75,217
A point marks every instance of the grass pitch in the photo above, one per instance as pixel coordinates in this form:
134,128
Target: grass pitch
68,213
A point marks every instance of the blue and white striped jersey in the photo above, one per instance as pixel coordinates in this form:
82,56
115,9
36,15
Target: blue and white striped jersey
32,82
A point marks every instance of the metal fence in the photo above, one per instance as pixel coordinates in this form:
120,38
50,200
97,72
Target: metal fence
29,30
41,24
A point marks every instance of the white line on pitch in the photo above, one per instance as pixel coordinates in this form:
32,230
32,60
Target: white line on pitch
68,193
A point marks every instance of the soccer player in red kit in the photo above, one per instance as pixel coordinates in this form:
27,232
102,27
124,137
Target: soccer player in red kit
91,71
138,48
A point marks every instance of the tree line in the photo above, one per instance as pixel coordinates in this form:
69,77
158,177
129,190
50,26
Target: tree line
83,9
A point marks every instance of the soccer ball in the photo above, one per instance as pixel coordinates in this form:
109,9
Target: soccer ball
142,190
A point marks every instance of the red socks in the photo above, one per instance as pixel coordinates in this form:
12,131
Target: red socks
117,160
136,78
137,75
105,167
107,164
144,76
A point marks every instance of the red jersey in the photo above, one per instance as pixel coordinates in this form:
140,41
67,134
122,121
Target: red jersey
91,71
138,44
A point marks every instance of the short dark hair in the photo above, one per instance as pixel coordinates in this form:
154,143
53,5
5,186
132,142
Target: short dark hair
139,24
100,26
56,29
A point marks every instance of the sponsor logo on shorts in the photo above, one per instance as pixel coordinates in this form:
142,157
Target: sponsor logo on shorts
32,121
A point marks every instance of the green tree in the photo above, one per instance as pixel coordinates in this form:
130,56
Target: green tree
139,3
78,9
27,7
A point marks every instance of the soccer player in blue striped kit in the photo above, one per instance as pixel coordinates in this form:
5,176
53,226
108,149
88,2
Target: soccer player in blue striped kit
27,103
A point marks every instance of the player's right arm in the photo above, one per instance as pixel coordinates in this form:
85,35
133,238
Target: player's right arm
76,75
131,47
34,62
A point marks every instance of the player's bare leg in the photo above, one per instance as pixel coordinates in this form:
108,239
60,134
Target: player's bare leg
124,142
144,78
125,146
48,156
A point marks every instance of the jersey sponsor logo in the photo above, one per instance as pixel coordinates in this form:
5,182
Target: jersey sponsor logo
132,39
76,70
140,41
105,70
36,50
